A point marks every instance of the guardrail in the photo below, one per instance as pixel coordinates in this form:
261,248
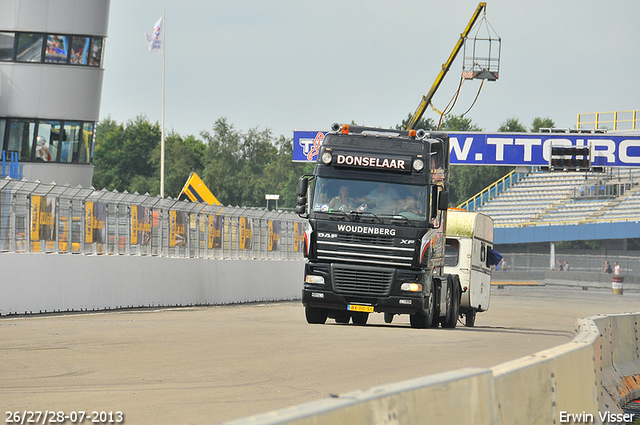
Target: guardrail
50,218
587,380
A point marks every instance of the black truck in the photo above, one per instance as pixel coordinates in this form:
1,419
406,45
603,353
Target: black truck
376,206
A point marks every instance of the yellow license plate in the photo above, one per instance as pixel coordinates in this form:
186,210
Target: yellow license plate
358,307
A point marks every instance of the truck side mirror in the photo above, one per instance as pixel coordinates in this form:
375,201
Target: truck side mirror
303,183
301,206
443,201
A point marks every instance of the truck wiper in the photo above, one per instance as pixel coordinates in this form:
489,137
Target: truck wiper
357,215
343,215
397,218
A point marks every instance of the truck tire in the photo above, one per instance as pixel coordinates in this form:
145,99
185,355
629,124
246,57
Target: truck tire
425,319
470,318
359,318
453,310
342,317
388,317
315,315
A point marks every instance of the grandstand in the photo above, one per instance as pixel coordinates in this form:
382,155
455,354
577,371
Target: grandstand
540,208
561,198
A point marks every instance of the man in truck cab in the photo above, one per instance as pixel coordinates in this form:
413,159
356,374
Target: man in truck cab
384,199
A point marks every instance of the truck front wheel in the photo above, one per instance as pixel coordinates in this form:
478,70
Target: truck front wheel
359,318
315,315
426,318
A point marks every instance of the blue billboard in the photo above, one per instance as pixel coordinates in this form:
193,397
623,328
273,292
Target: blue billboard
528,149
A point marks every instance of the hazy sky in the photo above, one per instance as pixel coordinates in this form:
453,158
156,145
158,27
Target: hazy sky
301,65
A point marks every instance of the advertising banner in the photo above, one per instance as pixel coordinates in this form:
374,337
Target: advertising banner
513,149
140,225
178,228
298,237
95,216
43,214
274,236
245,232
215,231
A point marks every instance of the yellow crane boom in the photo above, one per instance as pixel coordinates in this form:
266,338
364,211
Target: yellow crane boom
426,100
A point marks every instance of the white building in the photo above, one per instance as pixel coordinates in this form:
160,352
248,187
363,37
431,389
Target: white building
51,72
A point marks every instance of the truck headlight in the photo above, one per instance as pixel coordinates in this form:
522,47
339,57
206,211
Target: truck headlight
411,287
315,280
418,164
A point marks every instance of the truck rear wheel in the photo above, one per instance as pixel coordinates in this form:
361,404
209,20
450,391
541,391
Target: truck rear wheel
315,315
453,309
470,318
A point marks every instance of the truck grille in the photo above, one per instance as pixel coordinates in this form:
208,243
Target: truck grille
361,282
365,249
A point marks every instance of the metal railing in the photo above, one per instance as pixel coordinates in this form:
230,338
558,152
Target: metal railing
492,191
50,218
10,165
618,120
592,263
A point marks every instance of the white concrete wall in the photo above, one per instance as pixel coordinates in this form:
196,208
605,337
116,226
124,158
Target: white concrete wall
594,374
33,283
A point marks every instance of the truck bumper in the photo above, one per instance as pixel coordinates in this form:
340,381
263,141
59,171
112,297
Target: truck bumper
397,304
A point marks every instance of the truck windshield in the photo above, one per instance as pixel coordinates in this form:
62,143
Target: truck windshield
379,198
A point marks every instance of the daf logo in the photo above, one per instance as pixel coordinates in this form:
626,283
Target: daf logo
327,235
406,241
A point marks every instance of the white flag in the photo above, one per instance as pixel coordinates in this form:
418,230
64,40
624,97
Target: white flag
156,39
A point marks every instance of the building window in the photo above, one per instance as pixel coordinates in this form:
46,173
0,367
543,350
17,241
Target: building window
21,134
70,141
51,48
85,147
29,48
57,49
95,56
49,134
6,46
48,140
80,50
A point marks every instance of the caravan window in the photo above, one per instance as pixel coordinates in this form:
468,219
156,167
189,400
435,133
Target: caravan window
452,252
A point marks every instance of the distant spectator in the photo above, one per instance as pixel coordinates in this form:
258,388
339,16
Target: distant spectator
565,267
607,268
502,265
559,266
616,268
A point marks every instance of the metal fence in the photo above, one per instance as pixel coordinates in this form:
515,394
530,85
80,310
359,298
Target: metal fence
629,264
50,218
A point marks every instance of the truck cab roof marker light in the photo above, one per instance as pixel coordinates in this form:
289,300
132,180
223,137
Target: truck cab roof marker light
345,129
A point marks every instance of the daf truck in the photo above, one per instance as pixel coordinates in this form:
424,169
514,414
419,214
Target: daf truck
376,206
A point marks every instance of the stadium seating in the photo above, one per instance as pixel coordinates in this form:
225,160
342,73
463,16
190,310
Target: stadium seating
556,198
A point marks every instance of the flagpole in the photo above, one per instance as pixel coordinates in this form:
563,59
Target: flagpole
164,52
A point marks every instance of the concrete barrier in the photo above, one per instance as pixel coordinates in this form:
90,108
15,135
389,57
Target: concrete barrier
584,381
34,283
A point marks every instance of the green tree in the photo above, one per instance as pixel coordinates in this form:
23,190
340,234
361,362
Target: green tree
182,156
512,125
458,123
240,168
423,123
123,155
539,123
